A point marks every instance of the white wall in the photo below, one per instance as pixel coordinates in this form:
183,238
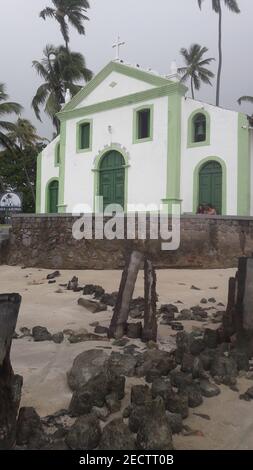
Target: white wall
125,86
148,160
223,144
48,170
251,171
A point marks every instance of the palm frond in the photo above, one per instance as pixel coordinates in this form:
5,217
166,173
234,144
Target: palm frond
47,13
245,99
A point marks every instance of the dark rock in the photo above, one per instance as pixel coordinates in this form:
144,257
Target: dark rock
187,362
194,395
225,369
25,331
151,410
52,281
180,379
104,384
140,394
211,338
120,342
178,403
83,335
122,364
101,330
175,422
109,299
177,326
85,366
29,429
162,388
91,289
56,445
116,436
162,361
207,357
241,358
92,305
40,333
81,403
73,285
58,338
198,369
53,275
152,374
195,288
185,314
130,349
168,309
127,411
183,345
136,313
154,432
212,300
197,345
113,403
134,330
203,301
248,395
85,434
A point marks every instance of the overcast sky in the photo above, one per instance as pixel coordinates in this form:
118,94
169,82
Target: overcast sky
154,31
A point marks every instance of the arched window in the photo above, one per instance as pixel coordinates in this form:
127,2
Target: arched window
199,128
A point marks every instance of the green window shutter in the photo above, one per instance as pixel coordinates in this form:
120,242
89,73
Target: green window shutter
58,149
85,135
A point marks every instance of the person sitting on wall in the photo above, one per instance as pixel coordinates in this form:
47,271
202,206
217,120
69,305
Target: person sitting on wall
211,210
201,210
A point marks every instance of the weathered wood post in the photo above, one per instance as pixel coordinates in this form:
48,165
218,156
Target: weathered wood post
149,331
118,323
244,305
10,384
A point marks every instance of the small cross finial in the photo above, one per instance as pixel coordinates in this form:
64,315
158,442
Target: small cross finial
117,46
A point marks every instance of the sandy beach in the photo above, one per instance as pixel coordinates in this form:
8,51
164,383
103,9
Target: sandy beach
44,364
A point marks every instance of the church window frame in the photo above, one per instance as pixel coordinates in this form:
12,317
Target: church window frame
138,112
192,140
80,146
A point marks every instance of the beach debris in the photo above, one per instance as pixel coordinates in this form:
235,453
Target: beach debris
194,288
58,338
53,275
93,306
96,291
40,333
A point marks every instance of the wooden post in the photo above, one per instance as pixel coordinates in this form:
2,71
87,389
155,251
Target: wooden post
126,290
149,331
10,384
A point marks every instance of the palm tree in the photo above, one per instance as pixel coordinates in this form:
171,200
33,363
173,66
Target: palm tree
195,67
6,108
60,69
24,139
245,99
68,11
232,5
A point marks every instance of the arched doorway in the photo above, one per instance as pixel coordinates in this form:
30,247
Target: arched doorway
112,179
210,185
52,197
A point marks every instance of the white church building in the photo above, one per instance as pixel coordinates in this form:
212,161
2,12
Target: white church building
134,138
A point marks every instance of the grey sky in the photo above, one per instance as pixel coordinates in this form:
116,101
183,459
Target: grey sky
154,31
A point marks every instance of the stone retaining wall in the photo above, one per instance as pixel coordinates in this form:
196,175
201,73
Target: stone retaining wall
206,242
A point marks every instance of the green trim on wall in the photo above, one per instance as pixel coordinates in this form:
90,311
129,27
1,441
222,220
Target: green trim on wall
135,124
78,135
97,162
243,167
38,183
54,178
61,205
173,151
196,183
167,90
57,145
190,141
105,72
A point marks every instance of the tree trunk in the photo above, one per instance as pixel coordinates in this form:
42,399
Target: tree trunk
10,384
126,290
150,324
220,58
192,88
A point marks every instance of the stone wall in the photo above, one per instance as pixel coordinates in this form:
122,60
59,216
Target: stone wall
206,242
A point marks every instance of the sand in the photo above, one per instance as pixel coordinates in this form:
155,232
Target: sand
44,365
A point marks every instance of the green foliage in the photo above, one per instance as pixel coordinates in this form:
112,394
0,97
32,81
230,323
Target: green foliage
67,12
195,68
6,108
60,69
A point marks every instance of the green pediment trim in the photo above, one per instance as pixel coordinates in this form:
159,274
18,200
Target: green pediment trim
169,89
105,72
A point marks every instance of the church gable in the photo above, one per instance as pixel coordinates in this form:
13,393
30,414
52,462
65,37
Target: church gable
114,81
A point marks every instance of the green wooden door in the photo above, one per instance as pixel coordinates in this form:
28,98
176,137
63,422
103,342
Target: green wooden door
112,179
53,197
210,185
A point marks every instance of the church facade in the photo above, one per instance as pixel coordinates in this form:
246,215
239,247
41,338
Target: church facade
133,138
